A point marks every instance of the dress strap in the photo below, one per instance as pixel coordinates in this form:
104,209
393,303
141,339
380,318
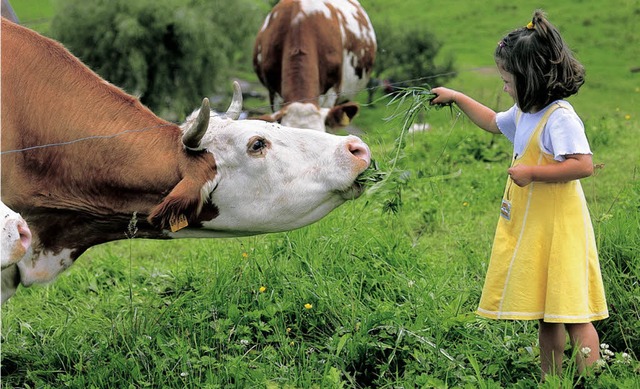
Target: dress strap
545,117
542,122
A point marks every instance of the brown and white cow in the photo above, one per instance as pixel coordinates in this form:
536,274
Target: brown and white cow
15,246
15,237
81,159
314,56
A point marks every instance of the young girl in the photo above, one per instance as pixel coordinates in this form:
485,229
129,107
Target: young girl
544,263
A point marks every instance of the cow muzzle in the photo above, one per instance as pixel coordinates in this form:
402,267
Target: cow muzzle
18,241
360,151
360,158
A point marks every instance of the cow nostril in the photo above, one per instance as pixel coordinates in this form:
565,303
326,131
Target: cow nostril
360,150
25,235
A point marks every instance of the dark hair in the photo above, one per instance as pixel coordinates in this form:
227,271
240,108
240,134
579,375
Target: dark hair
543,67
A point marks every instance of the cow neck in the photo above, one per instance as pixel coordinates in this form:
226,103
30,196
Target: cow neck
109,157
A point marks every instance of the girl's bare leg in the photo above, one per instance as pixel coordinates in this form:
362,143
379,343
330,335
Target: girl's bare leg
582,336
552,340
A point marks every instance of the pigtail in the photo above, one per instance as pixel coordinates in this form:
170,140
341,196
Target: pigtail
566,73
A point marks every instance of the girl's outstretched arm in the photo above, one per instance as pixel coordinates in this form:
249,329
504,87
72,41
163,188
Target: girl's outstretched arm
483,116
574,167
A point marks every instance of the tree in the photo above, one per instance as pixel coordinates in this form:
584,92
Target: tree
407,56
170,53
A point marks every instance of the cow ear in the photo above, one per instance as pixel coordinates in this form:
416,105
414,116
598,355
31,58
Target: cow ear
183,204
275,117
341,115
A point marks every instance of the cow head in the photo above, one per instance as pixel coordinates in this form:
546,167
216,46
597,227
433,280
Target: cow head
16,237
16,250
269,177
310,116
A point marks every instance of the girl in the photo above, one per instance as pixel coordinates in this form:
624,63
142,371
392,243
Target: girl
544,263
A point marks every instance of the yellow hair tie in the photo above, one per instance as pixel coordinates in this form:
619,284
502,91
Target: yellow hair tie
530,26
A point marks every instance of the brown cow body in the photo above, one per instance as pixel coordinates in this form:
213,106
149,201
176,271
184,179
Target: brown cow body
81,159
107,177
313,55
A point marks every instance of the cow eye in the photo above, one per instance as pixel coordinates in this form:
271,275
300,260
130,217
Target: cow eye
257,145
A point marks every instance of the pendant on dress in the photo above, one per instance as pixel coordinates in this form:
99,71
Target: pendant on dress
505,209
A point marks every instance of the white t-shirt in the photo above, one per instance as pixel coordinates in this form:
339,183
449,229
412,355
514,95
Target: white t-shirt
562,135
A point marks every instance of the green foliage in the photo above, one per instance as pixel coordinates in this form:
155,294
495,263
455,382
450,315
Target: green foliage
34,14
170,53
619,234
409,56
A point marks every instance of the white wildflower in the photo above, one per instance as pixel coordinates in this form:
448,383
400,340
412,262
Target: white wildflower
586,351
600,363
625,358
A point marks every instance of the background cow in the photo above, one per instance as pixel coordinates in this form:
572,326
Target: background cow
313,55
85,163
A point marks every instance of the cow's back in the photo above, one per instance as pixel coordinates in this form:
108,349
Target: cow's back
50,88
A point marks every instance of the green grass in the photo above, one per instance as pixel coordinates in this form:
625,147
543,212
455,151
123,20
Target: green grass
393,278
35,14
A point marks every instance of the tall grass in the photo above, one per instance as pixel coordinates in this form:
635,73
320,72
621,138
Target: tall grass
380,293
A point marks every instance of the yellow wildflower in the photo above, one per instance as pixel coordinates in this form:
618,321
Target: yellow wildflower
308,306
262,289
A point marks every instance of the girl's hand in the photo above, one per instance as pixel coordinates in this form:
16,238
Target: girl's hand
521,174
443,96
574,167
484,117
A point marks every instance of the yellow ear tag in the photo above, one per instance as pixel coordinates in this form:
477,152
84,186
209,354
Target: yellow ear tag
344,121
178,222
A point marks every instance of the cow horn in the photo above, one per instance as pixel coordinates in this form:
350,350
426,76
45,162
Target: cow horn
233,112
193,135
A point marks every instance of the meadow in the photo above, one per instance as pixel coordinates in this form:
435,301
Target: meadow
382,292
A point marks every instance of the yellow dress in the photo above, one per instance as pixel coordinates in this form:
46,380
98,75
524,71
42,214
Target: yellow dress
544,262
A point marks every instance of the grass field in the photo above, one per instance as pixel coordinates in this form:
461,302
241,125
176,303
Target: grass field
382,292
